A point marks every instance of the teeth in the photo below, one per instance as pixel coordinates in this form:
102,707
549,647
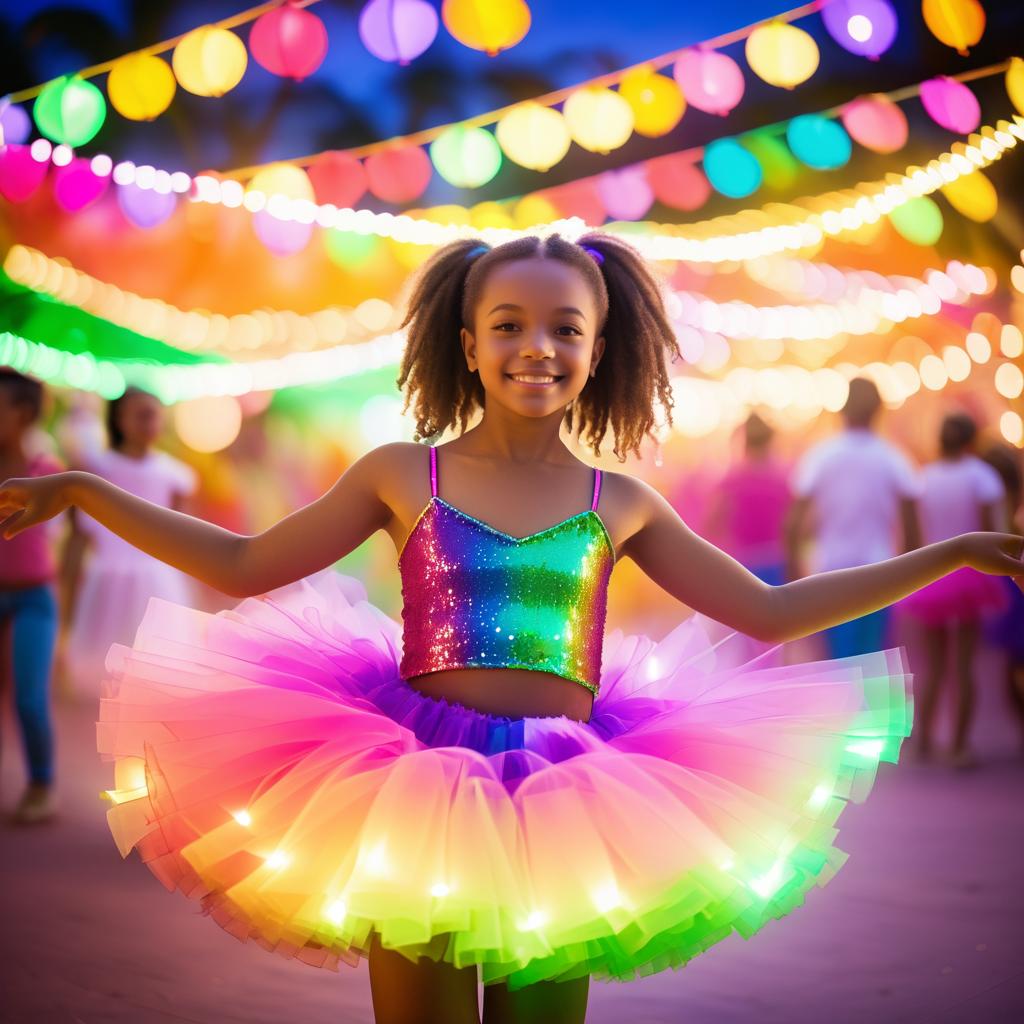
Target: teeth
532,379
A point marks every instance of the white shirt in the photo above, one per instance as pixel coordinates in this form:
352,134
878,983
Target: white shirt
953,492
856,481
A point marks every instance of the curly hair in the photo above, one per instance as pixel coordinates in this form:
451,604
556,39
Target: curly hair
631,378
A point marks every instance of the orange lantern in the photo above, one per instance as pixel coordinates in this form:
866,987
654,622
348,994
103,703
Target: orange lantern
957,23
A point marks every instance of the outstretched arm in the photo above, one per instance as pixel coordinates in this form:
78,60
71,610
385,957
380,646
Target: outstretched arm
308,540
708,580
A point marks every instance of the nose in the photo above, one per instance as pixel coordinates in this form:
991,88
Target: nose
536,345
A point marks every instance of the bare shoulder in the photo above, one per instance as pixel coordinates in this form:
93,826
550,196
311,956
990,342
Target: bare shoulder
628,505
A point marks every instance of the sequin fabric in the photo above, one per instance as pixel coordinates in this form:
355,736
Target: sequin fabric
475,597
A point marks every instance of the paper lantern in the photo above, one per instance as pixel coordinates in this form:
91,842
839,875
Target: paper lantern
20,172
531,211
820,142
864,27
782,54
777,164
281,237
349,249
208,424
919,221
732,170
625,192
973,195
145,207
398,175
599,120
141,86
1015,83
711,81
533,136
15,124
466,157
578,199
957,23
337,178
951,104
490,215
76,186
397,30
209,61
488,25
656,101
69,110
678,182
876,123
289,41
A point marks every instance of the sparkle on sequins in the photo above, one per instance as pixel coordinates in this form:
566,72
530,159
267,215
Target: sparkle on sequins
475,597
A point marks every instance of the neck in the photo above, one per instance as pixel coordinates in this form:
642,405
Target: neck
134,450
518,438
12,451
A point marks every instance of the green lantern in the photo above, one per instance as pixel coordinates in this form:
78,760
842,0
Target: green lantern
70,110
919,221
466,157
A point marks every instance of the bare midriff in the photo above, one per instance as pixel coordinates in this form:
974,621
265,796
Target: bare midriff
508,692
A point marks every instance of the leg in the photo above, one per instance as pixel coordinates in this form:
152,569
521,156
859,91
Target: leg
935,670
553,1002
420,993
966,638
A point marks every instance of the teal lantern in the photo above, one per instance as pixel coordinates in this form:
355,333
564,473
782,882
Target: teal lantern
70,110
918,220
466,157
820,142
732,170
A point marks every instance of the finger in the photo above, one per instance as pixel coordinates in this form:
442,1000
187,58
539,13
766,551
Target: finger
8,527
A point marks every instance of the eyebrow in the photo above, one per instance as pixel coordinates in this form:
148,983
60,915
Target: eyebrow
518,309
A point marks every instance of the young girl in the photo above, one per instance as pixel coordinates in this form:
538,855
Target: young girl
483,793
118,579
959,493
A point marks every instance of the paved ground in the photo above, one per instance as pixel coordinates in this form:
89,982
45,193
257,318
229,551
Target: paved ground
925,925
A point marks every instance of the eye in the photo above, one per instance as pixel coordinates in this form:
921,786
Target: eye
505,324
572,328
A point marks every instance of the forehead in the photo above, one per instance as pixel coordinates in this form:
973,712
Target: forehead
539,286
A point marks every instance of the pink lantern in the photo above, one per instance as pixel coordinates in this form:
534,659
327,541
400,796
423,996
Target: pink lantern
398,175
397,30
281,237
626,193
289,41
711,81
337,178
145,207
951,104
76,186
876,122
577,199
678,182
20,172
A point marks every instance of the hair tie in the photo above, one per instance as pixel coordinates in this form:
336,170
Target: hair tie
477,250
594,254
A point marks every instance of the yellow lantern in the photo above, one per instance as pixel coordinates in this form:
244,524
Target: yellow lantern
488,25
490,215
973,195
782,54
657,102
957,23
532,211
1015,83
140,86
533,136
208,424
283,180
209,61
599,120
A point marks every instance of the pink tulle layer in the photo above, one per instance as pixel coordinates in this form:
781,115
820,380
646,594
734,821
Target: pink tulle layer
271,763
965,595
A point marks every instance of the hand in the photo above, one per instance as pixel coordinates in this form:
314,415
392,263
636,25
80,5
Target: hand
28,501
997,553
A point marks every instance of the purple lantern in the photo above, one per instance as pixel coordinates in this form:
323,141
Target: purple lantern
281,237
76,186
951,104
864,27
397,30
20,173
145,207
15,124
626,193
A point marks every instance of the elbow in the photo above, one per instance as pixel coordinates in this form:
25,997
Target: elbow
773,624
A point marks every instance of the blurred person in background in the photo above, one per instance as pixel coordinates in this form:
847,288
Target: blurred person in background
107,582
28,602
857,495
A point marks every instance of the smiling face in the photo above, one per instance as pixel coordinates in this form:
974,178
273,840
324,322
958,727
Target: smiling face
534,339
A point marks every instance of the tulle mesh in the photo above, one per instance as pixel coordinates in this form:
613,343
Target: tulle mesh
271,764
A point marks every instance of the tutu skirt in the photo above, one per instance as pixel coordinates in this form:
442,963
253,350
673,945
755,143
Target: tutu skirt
1006,631
965,595
271,764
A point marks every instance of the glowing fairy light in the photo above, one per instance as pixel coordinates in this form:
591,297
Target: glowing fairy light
978,347
1011,426
1011,341
244,818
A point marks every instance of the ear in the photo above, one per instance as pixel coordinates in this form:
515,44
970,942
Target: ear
469,349
595,356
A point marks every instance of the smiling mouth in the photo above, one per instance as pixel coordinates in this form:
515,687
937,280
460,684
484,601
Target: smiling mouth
534,380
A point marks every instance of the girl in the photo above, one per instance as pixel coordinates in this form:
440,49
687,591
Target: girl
959,493
119,580
479,791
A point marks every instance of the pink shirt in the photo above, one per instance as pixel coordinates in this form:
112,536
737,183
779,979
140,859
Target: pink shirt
28,558
755,497
953,492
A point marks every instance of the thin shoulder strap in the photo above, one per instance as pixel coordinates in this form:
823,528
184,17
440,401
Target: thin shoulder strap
433,471
597,490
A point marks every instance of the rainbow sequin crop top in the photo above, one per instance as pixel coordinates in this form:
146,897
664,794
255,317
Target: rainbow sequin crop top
475,597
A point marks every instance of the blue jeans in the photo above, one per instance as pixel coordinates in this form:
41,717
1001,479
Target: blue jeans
858,636
33,617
